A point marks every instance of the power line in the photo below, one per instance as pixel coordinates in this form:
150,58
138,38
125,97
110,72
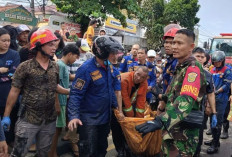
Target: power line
201,30
204,28
205,35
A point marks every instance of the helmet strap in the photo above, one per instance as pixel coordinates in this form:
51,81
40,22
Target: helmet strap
43,52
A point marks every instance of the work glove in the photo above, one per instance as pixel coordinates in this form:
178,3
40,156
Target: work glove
214,121
6,123
149,126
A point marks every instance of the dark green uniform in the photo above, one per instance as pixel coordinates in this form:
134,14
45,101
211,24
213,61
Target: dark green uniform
184,94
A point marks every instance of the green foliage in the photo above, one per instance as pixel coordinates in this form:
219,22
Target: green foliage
152,18
82,10
156,14
183,11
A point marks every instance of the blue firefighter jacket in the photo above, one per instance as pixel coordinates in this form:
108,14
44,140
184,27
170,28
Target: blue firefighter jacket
168,71
222,78
151,81
92,93
126,61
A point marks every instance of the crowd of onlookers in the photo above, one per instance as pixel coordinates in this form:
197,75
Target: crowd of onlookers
26,63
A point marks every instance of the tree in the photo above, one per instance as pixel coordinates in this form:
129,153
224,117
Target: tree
156,14
183,11
151,18
82,11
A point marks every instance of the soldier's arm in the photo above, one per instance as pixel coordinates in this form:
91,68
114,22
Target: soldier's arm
182,105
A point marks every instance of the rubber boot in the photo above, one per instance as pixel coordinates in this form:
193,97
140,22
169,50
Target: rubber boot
224,134
213,148
209,132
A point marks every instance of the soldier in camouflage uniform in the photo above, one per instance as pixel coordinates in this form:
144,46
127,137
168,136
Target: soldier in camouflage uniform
37,79
183,95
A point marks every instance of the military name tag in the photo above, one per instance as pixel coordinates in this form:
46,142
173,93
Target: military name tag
96,75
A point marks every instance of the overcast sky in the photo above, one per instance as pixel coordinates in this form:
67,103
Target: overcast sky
215,18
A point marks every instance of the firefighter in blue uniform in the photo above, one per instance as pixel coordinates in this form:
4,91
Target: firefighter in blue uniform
171,62
222,78
127,60
142,54
92,97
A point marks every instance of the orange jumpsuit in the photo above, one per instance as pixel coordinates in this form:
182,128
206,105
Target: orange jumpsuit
127,84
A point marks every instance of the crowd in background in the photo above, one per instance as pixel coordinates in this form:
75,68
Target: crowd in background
18,49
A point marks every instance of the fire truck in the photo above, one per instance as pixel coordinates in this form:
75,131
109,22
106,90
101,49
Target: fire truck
223,43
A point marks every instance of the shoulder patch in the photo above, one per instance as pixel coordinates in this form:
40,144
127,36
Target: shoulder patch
129,62
96,75
79,84
191,84
192,77
119,77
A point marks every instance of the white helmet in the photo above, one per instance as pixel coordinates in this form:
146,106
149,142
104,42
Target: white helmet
151,53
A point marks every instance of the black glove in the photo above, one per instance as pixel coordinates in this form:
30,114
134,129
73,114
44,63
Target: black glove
149,126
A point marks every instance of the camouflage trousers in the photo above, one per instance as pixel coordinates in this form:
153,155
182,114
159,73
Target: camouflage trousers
183,144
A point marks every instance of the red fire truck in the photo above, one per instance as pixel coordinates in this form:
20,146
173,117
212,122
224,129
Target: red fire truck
223,43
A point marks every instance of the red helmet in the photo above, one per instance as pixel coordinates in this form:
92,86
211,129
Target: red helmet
170,33
41,37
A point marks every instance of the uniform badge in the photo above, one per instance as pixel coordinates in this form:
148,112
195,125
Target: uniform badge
79,84
119,77
96,75
123,60
111,68
191,83
129,62
192,77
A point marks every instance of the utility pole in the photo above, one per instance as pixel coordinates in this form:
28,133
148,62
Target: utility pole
32,5
44,9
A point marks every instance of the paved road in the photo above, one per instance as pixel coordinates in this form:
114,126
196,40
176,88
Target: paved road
64,149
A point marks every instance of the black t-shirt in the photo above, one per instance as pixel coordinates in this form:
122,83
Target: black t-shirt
134,88
209,84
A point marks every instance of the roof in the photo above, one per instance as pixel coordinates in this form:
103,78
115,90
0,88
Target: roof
4,8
